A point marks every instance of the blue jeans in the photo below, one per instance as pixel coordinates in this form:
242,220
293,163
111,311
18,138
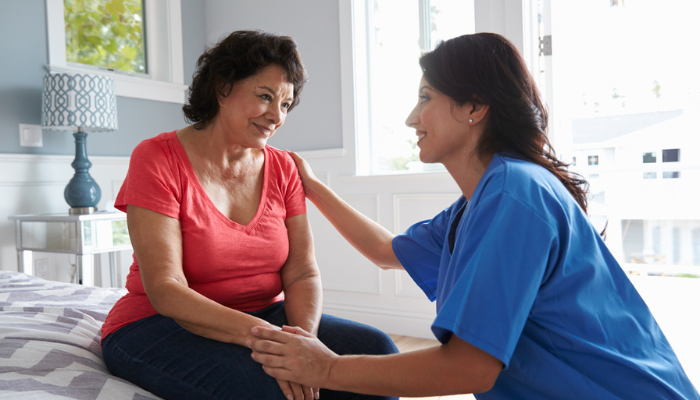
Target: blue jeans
160,356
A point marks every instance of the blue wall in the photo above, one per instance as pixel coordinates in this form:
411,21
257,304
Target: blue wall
316,123
23,49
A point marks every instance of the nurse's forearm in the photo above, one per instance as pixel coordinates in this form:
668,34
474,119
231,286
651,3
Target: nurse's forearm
364,234
436,371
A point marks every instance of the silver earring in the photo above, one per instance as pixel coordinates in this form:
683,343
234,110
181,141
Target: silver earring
471,120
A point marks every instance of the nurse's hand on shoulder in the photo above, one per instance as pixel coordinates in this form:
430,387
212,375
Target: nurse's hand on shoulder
308,179
293,355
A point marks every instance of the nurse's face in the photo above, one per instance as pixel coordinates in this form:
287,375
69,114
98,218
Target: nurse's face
441,125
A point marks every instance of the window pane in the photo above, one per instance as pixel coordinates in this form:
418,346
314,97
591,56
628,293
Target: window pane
448,19
650,175
592,160
108,34
671,155
671,174
649,158
395,73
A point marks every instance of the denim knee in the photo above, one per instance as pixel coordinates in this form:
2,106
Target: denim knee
350,337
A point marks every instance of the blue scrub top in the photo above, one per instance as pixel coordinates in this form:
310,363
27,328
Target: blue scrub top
520,272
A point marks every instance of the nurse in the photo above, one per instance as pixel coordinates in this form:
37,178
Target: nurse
530,302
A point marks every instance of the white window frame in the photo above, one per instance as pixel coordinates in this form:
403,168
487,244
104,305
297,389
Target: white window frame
165,81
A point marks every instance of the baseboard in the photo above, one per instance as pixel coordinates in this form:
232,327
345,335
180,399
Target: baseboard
389,320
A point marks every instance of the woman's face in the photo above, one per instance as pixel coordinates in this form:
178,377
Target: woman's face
256,107
440,125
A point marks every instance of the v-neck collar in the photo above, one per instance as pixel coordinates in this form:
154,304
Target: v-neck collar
198,185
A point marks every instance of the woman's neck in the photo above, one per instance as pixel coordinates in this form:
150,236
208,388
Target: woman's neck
211,144
468,174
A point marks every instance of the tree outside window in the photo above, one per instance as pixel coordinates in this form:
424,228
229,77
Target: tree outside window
107,34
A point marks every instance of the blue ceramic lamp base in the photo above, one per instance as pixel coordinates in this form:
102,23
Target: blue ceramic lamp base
82,192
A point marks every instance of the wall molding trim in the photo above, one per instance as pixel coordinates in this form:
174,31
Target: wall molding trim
324,153
380,310
36,183
388,319
56,158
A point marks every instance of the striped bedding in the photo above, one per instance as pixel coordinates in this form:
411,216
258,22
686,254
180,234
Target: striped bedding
50,341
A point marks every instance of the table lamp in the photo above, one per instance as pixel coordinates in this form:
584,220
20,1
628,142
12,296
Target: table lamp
80,103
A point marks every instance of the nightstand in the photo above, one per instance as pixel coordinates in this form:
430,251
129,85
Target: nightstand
83,235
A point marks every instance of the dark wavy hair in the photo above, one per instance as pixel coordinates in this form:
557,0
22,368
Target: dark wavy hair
238,56
485,68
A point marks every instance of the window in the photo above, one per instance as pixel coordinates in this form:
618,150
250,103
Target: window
163,61
671,174
107,34
392,38
671,155
625,85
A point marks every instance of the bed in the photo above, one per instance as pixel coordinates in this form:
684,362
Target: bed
50,341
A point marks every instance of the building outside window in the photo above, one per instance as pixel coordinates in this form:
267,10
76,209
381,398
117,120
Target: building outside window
627,87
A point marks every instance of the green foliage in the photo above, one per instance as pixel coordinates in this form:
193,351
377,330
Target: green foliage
105,33
687,276
401,163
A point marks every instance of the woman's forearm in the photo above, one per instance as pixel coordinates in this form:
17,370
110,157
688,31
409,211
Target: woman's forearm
201,315
365,235
302,303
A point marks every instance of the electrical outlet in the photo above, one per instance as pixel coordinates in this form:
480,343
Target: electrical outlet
31,135
41,267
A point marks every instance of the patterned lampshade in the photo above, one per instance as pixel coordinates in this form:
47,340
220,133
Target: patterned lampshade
79,101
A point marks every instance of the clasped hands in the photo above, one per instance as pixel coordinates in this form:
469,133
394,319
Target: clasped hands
294,355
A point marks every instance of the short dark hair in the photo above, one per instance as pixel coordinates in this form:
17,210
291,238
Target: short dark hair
238,56
486,68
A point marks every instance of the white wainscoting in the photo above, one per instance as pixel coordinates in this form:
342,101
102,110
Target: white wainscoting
34,184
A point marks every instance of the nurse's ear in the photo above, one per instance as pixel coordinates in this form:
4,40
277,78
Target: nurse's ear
472,113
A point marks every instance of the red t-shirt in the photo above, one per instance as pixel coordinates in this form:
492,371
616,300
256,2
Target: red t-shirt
235,265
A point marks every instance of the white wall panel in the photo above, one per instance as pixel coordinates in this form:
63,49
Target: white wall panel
409,209
342,267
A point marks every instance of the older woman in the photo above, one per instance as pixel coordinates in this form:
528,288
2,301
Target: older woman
217,219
